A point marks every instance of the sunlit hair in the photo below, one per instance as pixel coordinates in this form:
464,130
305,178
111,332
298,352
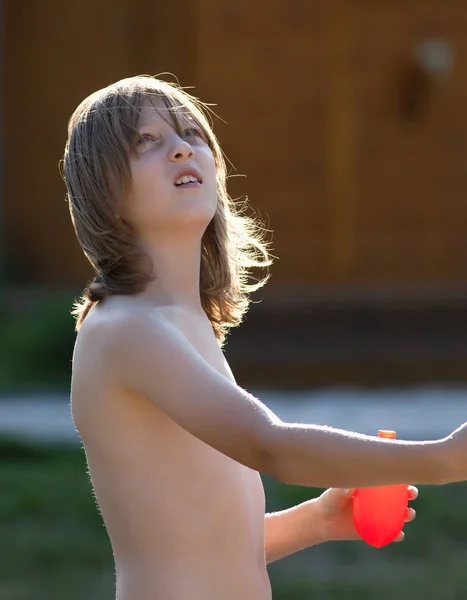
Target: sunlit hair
102,136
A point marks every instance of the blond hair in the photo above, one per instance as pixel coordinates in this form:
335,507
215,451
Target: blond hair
102,136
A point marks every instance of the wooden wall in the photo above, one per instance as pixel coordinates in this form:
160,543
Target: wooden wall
357,161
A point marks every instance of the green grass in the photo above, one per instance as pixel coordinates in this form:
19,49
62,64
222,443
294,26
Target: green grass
52,541
36,343
53,544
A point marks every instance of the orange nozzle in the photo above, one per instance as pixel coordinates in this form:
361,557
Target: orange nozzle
390,435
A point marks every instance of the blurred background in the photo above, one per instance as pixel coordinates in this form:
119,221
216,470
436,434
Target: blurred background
345,124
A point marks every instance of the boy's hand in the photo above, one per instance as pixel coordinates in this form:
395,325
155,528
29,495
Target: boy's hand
335,513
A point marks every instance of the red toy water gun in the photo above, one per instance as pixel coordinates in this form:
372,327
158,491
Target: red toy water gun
379,512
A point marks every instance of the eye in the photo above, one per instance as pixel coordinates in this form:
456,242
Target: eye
193,131
145,137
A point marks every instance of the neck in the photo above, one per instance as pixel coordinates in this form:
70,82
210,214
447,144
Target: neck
176,265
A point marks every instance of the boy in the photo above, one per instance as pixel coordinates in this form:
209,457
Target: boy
174,446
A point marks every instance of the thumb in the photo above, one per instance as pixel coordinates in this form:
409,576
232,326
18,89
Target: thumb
341,493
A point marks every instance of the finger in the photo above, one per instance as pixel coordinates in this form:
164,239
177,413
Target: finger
410,515
413,492
400,537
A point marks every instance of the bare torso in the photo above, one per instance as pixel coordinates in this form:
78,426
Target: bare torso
184,520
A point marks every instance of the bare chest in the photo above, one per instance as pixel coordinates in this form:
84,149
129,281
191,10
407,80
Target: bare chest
148,473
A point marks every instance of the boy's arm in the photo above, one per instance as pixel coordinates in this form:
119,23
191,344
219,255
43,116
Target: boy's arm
152,358
291,530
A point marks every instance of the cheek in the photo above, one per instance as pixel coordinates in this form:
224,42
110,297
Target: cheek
210,174
148,202
148,185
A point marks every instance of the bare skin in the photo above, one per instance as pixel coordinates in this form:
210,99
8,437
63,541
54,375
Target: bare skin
184,520
174,446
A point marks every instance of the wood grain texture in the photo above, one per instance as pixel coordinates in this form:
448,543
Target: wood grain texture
357,162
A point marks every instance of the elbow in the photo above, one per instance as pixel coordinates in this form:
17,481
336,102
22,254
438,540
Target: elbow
269,455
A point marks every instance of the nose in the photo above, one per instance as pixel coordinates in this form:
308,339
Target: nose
180,150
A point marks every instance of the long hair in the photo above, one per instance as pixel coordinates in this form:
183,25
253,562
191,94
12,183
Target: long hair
102,137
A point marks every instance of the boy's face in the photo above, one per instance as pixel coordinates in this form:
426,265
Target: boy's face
157,205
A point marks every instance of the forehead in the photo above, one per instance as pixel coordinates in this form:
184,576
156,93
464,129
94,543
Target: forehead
169,110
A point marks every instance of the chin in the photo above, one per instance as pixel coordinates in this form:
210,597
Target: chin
196,218
200,208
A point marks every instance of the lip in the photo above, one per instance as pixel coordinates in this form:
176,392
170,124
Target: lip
189,171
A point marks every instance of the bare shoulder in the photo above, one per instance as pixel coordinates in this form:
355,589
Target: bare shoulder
119,321
134,345
143,352
113,325
113,337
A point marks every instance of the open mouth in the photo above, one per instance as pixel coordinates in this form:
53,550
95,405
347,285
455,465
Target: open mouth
192,184
187,180
188,177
